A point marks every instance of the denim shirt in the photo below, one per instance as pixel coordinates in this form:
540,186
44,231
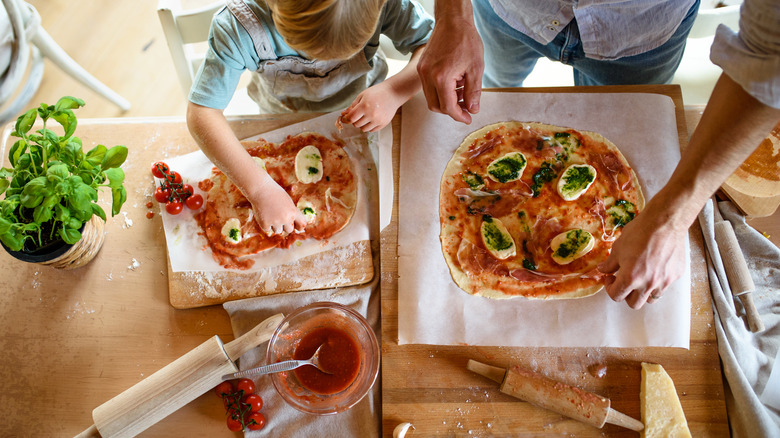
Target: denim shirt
751,57
609,29
232,50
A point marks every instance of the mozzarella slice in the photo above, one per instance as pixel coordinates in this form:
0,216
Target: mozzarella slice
571,245
307,209
308,165
260,162
575,180
507,168
232,230
497,239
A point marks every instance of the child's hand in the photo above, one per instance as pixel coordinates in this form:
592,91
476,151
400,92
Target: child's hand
275,211
373,109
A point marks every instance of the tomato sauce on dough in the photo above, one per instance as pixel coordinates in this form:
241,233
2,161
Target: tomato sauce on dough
339,355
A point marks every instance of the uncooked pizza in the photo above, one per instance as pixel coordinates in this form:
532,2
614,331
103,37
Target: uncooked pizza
530,210
314,170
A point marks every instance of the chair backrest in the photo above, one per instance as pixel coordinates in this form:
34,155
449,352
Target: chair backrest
183,29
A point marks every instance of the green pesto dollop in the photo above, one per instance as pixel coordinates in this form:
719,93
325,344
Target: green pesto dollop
507,168
494,238
545,174
575,239
576,178
621,213
233,234
474,181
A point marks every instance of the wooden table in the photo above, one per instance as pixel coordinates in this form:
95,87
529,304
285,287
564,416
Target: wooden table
430,387
72,340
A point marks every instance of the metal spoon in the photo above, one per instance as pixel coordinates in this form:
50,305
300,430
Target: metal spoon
286,365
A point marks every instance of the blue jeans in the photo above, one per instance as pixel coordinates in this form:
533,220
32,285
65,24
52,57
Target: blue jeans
510,55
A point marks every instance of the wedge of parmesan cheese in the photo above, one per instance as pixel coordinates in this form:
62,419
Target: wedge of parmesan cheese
507,168
575,180
662,413
307,209
497,239
308,165
571,245
232,230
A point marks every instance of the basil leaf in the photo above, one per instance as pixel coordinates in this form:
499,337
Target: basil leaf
13,240
114,157
3,185
96,155
61,213
42,213
68,102
118,197
70,235
33,192
98,210
16,151
58,172
25,122
68,121
115,177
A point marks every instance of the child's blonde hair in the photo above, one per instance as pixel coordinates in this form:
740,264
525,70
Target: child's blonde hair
326,29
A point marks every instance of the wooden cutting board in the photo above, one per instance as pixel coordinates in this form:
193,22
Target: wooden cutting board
343,266
755,186
430,386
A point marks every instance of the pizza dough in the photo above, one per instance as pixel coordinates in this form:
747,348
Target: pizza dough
530,210
314,170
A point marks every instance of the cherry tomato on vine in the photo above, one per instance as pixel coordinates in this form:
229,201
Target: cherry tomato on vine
159,169
230,401
254,401
246,385
162,195
234,421
176,178
194,202
174,207
255,421
186,191
223,389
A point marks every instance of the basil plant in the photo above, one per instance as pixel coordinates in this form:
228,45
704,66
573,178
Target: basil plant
51,189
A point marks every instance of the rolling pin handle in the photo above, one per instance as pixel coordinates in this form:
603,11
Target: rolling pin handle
754,318
259,334
90,432
620,419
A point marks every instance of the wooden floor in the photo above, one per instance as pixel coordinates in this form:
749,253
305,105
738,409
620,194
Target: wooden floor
121,43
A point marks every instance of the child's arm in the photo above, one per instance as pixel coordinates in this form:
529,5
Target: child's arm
375,107
274,210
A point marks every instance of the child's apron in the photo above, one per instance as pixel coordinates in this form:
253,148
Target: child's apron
292,83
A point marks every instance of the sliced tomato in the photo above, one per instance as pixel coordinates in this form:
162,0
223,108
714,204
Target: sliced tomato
159,169
254,401
194,202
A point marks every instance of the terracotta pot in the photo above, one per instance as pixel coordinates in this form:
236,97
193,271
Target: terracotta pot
61,255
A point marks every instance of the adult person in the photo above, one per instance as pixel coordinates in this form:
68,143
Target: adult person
742,110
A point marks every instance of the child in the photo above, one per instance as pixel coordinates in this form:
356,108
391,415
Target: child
308,55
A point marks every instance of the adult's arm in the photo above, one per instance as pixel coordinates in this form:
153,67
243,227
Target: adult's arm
649,255
451,66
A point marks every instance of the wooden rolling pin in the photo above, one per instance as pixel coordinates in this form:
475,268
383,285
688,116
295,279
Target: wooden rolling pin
737,271
175,385
555,396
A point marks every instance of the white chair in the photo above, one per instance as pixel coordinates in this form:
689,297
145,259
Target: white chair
23,44
186,31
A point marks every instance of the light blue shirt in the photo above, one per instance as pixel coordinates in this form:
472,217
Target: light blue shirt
609,29
231,49
751,57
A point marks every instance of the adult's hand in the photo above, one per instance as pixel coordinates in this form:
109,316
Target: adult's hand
645,260
451,66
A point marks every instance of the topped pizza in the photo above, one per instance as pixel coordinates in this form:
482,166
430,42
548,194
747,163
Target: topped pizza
530,210
314,170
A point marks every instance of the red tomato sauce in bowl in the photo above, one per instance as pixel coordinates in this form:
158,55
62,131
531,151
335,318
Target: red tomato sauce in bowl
339,356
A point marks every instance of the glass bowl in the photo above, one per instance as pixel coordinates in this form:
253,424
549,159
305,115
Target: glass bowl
296,333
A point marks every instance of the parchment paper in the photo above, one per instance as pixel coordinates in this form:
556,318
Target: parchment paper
433,310
187,248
